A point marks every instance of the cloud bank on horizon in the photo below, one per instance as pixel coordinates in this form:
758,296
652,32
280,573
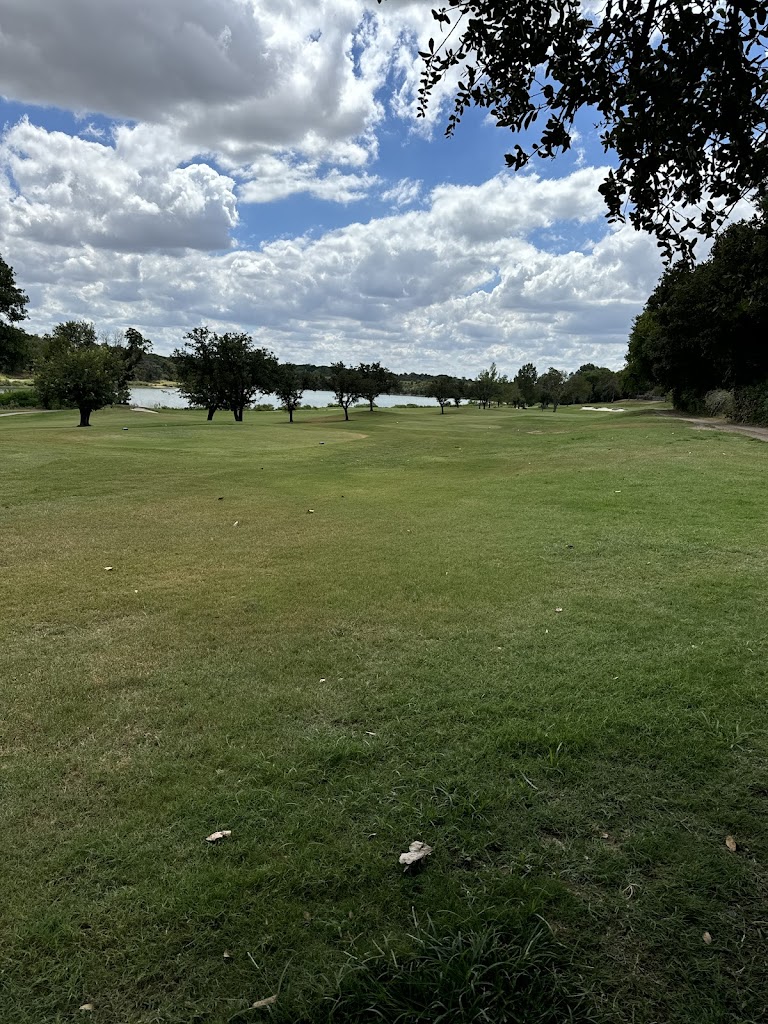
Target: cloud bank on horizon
257,165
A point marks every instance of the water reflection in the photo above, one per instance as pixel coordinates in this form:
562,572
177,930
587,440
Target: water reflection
154,398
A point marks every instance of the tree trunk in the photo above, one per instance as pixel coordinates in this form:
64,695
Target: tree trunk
371,401
238,413
346,413
211,410
290,415
85,417
442,409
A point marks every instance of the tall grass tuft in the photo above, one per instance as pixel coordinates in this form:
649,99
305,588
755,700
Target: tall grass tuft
465,974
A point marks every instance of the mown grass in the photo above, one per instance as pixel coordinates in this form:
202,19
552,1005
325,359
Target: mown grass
332,685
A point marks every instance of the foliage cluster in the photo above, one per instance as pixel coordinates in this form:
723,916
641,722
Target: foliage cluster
223,371
19,398
680,91
13,305
76,369
228,371
351,383
750,404
589,383
703,327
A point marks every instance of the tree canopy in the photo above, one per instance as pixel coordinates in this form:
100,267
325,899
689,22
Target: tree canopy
13,308
346,383
289,384
442,388
376,380
526,378
76,370
704,327
679,90
223,371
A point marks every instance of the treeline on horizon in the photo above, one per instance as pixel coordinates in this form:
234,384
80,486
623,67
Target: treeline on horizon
228,371
590,383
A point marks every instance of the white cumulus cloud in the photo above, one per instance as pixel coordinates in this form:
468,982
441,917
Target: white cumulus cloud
65,189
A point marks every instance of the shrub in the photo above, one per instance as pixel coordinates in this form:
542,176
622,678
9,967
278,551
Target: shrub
719,402
688,401
20,398
750,404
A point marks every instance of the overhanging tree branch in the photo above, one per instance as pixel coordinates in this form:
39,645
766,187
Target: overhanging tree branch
680,88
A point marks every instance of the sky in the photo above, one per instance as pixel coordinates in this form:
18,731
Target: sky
257,165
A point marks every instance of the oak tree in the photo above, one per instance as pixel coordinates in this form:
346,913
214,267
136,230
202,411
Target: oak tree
376,380
76,370
289,386
346,384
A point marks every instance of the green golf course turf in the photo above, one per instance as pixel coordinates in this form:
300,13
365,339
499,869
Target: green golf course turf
535,641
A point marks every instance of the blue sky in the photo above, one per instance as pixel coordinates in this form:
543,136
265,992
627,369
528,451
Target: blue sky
257,164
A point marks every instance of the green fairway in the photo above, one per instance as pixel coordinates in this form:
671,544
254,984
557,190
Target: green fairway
535,641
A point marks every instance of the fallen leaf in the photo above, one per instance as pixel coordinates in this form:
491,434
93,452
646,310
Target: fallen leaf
107,568
227,955
87,1007
264,1002
730,842
322,680
558,609
216,837
310,511
416,852
236,523
707,938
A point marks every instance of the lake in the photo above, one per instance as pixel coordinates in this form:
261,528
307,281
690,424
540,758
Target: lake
153,398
